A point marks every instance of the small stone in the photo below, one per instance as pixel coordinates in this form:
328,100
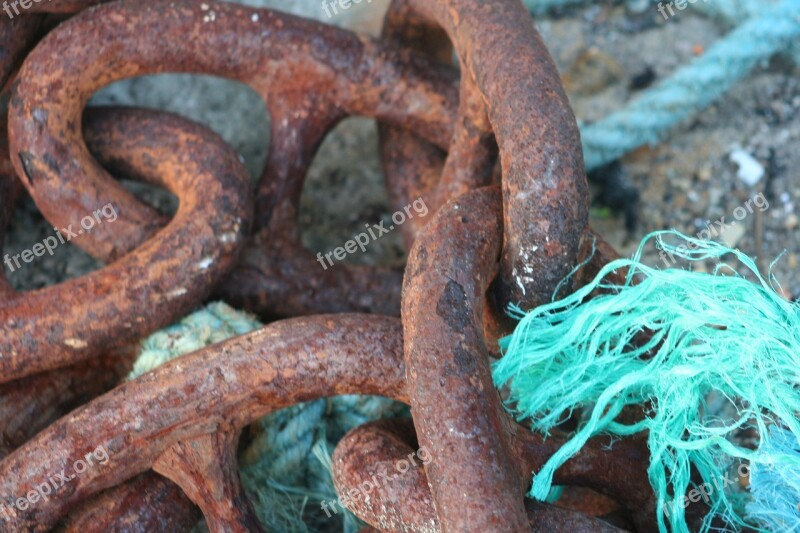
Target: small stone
592,72
643,79
792,261
750,170
732,234
791,221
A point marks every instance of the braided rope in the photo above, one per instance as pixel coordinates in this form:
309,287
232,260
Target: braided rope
692,87
542,7
281,470
770,27
733,11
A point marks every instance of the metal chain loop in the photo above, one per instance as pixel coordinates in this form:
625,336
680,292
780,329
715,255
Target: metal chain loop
511,204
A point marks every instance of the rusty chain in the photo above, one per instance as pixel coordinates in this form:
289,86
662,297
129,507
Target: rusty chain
511,216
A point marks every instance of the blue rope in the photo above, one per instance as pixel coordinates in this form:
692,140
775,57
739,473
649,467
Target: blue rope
775,482
280,470
542,7
692,87
772,26
733,11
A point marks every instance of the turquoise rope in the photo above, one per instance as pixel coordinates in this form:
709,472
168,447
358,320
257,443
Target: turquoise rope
730,11
685,345
775,483
693,87
215,323
543,7
771,27
733,11
283,469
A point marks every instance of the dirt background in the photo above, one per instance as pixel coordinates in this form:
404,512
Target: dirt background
606,54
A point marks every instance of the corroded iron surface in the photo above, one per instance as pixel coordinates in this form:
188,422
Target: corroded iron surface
152,285
492,147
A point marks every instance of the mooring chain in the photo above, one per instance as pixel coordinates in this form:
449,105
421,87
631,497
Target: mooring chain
528,233
152,285
212,394
30,404
209,396
544,185
13,401
459,415
307,92
404,503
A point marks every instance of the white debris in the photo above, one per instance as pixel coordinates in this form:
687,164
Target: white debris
228,237
750,170
176,293
76,344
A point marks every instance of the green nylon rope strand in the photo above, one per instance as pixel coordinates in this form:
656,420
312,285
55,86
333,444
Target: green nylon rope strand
669,339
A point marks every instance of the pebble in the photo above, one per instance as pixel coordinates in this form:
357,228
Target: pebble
750,170
791,221
732,234
705,173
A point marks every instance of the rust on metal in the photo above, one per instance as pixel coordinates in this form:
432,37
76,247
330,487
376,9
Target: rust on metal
492,147
148,503
209,229
308,89
247,377
376,457
545,193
